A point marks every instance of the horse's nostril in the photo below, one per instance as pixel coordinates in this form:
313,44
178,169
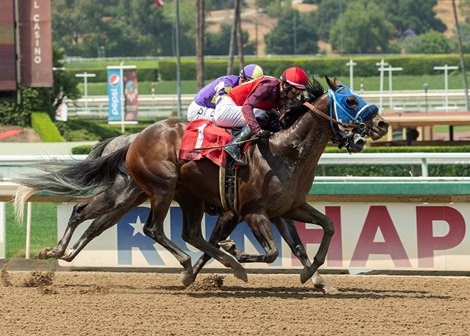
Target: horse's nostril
384,124
361,142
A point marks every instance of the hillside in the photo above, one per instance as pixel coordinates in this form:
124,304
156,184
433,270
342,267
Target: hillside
258,24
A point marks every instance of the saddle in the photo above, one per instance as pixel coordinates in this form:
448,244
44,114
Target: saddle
203,139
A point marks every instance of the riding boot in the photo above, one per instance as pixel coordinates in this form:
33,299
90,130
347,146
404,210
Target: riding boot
233,149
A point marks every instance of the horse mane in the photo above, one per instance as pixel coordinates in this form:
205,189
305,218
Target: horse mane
313,91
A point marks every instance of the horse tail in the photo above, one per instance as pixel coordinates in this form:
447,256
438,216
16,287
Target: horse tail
98,149
21,196
80,179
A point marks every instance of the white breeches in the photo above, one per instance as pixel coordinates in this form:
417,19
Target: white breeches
196,111
227,114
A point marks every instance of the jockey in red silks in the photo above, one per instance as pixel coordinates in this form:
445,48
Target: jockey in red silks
203,105
248,101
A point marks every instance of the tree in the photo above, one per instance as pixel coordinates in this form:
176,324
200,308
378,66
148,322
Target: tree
274,8
76,23
123,27
200,43
368,33
431,42
218,43
294,34
326,15
417,15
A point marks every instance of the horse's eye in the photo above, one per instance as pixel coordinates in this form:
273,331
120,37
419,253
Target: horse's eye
352,102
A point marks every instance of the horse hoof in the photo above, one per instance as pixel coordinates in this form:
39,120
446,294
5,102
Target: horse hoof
326,289
187,279
240,273
306,274
46,253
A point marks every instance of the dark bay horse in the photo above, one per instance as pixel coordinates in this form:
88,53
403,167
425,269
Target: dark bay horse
275,182
108,207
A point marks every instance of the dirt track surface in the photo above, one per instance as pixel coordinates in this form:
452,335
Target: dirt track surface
111,303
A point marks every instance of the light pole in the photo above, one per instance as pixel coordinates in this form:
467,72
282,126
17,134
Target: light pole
295,31
85,77
178,59
341,28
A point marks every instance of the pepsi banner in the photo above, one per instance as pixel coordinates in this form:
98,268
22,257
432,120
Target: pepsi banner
380,236
115,108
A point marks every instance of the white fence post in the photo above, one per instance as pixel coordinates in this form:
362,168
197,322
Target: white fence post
2,231
424,167
28,230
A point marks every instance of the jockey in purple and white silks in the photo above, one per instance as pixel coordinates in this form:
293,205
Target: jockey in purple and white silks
203,105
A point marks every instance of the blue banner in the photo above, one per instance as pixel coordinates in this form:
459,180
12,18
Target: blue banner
115,109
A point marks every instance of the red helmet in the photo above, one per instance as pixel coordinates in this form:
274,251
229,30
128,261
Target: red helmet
295,77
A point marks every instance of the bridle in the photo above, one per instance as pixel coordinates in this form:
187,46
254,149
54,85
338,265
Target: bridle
350,125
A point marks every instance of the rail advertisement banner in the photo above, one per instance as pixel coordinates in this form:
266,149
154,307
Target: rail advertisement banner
36,43
115,109
380,236
7,46
131,94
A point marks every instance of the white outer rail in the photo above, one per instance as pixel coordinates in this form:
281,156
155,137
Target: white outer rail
418,158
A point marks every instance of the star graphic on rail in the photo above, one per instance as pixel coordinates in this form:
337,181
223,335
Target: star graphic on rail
138,227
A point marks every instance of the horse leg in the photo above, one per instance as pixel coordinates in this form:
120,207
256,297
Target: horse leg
193,210
160,203
100,224
306,213
119,194
288,231
261,228
79,215
224,226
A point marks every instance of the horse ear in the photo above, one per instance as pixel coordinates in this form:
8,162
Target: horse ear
331,84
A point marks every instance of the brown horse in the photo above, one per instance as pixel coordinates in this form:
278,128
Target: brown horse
274,183
107,208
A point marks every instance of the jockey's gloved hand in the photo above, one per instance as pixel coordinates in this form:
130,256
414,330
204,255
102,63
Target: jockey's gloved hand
264,134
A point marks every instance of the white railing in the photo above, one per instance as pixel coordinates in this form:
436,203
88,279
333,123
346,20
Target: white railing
14,165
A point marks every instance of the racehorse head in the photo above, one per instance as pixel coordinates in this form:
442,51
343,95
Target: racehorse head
353,113
351,118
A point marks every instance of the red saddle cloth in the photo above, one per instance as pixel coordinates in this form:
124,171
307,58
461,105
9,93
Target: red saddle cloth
204,133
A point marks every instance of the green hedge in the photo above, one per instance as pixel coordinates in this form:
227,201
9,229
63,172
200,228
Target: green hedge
43,125
318,66
165,69
81,150
83,130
